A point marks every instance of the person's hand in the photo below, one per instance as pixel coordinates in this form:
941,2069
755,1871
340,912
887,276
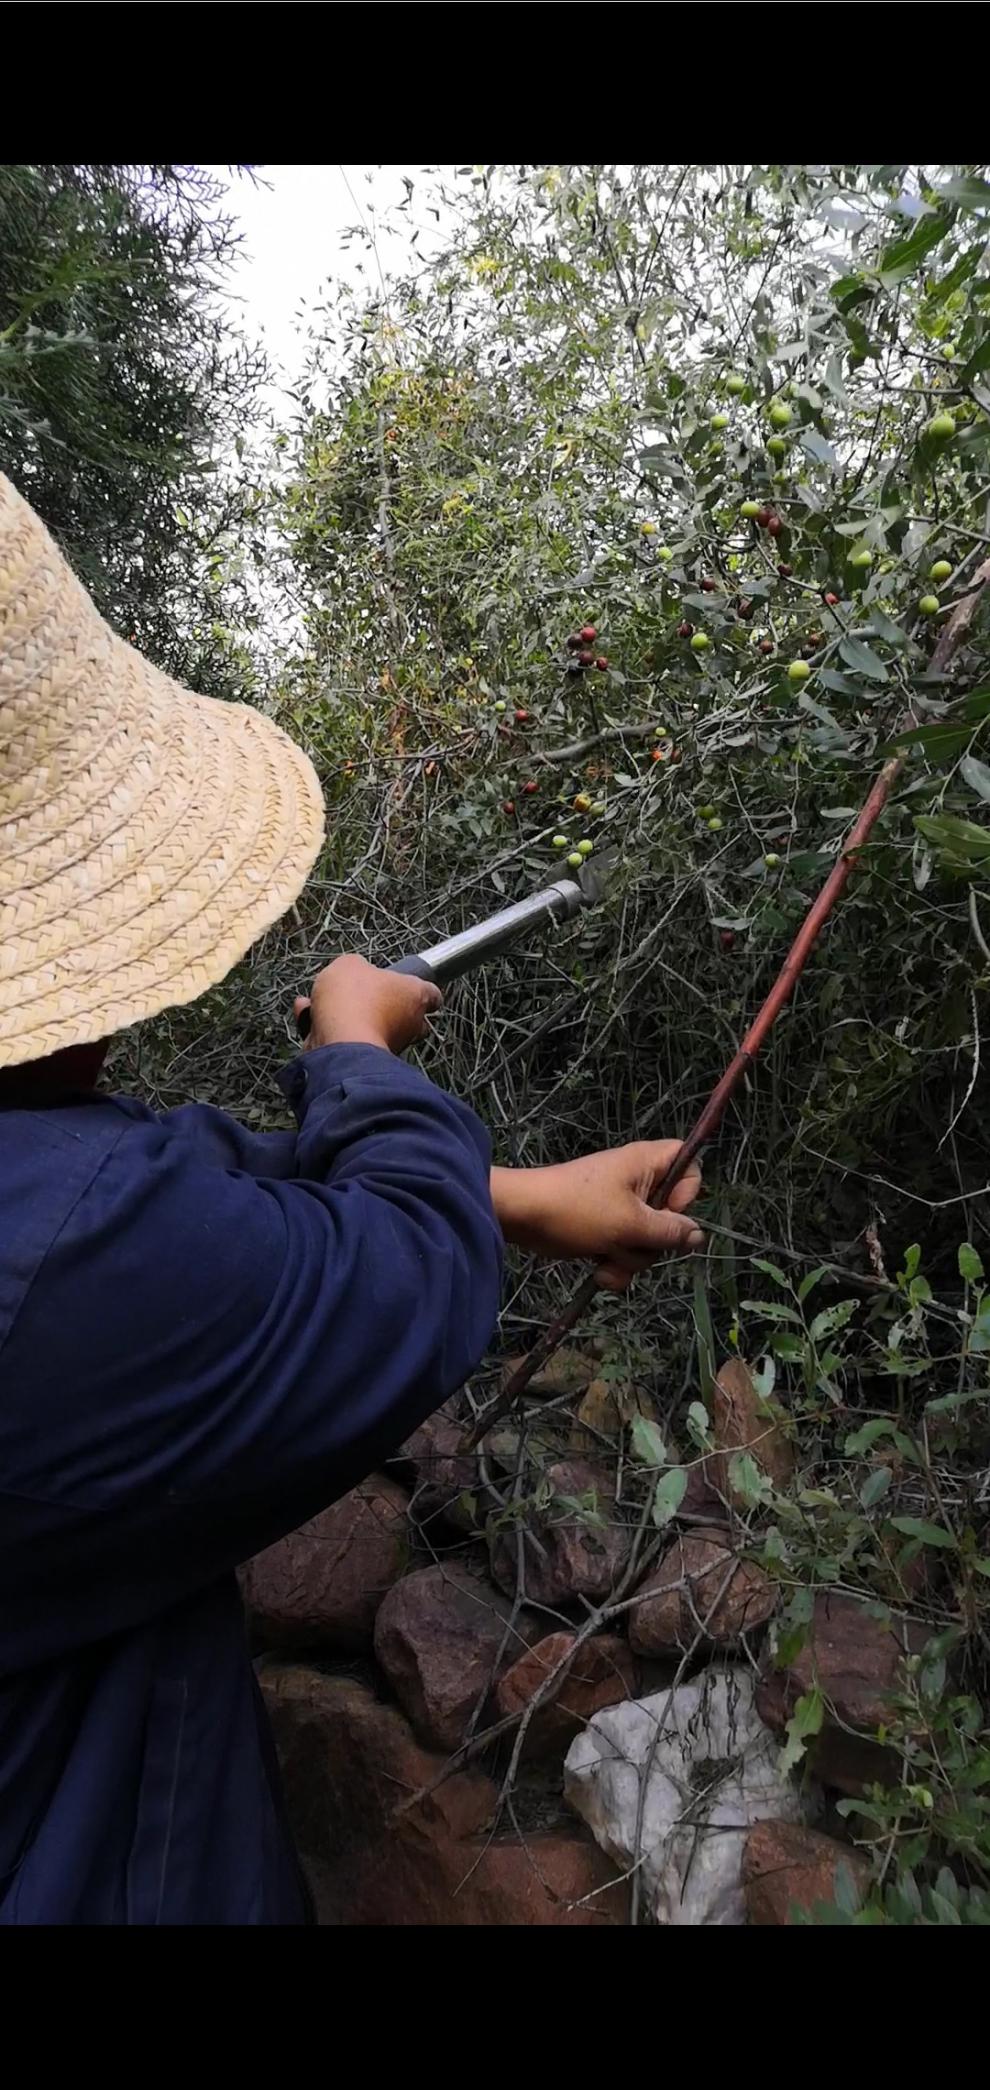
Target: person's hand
354,1003
599,1207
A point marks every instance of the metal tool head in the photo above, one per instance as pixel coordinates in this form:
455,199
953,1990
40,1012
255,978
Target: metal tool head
594,875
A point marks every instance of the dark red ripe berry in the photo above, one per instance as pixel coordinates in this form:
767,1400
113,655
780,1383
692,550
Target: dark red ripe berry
530,787
816,639
508,805
602,661
726,938
588,632
709,586
586,659
762,520
744,608
685,630
785,571
775,526
574,640
766,645
831,600
522,718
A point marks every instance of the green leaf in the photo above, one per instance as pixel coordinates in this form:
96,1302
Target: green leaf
868,1434
789,1347
912,1258
976,775
847,1894
962,845
771,1270
929,1534
699,1425
669,1495
771,1310
658,458
765,1379
947,1403
942,741
805,1722
905,255
875,1486
979,1334
832,1318
807,1284
970,1265
968,190
748,1481
862,660
647,1442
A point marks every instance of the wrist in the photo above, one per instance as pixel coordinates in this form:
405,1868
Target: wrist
347,1034
519,1196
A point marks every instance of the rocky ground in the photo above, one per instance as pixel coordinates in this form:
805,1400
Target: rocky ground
499,1696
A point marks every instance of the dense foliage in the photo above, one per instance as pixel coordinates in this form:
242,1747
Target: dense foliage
738,421
123,391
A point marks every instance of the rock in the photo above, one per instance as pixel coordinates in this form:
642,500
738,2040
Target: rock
441,1639
855,1660
786,1866
690,1590
700,1498
443,1473
348,1762
608,1407
603,1673
739,1423
566,1553
711,1770
322,1586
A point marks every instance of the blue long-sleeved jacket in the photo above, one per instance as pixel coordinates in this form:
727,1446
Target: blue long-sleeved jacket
206,1336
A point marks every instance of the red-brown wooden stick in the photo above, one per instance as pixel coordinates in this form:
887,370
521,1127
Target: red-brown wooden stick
711,1117
780,993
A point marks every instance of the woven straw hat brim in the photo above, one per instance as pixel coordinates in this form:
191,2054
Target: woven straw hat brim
147,836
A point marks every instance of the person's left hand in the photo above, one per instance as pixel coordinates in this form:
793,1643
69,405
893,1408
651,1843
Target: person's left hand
599,1208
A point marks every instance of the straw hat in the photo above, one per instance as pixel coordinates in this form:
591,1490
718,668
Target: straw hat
147,836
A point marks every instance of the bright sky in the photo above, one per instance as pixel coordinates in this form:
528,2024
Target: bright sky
292,219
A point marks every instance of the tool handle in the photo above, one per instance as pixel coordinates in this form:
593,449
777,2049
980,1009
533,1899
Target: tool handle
416,967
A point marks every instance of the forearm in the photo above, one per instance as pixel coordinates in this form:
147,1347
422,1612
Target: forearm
519,1198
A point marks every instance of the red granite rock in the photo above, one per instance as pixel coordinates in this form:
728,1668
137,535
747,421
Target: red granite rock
696,1590
322,1586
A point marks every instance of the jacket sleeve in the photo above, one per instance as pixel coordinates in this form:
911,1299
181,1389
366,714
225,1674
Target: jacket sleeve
214,1357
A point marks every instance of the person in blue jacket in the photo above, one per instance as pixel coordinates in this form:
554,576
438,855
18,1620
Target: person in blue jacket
206,1335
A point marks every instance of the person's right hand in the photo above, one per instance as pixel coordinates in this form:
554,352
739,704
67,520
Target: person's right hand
354,1003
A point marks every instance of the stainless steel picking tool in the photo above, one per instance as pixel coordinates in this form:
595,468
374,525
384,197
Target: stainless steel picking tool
560,902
